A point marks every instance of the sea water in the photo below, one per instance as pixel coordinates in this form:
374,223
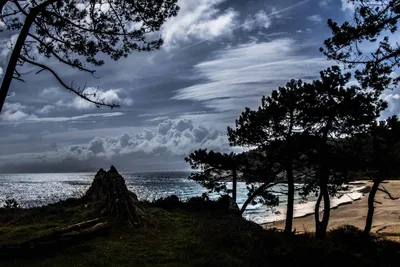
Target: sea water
31,190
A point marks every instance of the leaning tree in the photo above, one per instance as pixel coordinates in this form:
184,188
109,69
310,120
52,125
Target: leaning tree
77,33
254,167
376,155
332,112
274,124
367,43
215,169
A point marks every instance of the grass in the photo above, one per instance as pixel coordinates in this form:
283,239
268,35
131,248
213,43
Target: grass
187,236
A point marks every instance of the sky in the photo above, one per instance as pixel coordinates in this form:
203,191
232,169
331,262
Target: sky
218,57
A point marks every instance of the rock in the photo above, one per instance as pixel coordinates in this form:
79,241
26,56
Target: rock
109,195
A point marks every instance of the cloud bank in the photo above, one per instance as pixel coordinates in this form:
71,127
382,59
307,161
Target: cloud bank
172,138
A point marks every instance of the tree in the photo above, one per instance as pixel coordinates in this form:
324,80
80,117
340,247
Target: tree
331,112
215,169
261,172
274,124
378,154
77,33
374,23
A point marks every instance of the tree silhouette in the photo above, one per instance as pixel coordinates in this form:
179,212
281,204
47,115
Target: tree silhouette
374,23
77,33
261,172
377,154
274,124
331,111
215,169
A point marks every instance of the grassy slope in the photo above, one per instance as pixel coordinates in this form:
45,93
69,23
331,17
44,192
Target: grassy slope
183,238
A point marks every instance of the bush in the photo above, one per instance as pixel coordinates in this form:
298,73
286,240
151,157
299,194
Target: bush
168,202
11,204
197,204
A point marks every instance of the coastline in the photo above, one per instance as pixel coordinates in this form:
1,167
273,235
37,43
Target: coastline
386,216
304,209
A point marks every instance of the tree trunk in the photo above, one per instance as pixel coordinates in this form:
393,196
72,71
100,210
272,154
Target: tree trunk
323,174
290,200
256,193
371,208
12,63
316,211
321,226
234,185
326,214
109,195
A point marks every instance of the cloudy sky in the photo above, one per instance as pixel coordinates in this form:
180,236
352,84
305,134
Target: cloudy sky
219,56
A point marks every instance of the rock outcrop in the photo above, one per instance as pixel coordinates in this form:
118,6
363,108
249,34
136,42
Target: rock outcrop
109,195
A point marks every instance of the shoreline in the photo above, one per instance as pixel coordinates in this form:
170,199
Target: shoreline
386,219
307,209
311,214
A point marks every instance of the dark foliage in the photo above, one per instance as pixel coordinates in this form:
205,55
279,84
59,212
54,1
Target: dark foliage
215,169
78,33
376,155
11,204
274,129
374,23
194,204
182,237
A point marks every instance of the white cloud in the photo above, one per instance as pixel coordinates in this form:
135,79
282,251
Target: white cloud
315,18
324,3
214,27
250,70
15,112
15,115
109,96
197,19
46,109
7,44
50,92
260,20
348,6
393,102
174,138
96,146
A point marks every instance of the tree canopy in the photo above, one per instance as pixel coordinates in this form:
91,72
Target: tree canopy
373,25
78,33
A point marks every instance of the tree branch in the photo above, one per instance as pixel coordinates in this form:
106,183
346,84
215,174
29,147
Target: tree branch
60,58
256,193
78,92
384,190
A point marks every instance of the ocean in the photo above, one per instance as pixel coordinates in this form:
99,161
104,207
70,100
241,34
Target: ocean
31,190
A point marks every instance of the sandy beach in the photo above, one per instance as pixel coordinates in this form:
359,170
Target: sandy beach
386,217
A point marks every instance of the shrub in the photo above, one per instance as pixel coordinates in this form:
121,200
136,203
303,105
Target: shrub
168,202
11,204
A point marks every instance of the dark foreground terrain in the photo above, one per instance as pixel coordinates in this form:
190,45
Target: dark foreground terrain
180,234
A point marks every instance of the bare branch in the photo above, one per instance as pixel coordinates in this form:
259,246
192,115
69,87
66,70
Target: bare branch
18,79
67,62
384,190
79,92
